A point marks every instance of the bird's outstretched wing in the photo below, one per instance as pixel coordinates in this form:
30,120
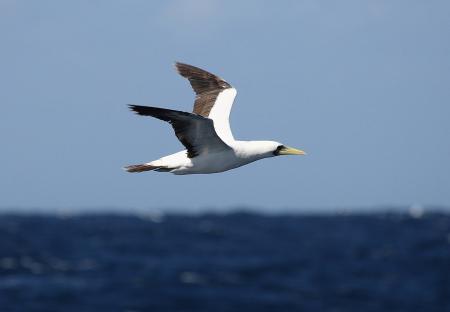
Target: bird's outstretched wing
195,132
214,98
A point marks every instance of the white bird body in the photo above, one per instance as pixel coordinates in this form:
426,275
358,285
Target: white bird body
206,134
241,153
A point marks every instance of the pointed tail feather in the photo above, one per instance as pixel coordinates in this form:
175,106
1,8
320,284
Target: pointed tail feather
141,168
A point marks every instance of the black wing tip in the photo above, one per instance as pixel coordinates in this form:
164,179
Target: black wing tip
185,70
179,65
137,109
196,73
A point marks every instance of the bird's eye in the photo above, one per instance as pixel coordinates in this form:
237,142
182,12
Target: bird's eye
277,151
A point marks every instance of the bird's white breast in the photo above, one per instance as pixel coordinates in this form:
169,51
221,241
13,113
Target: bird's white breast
211,163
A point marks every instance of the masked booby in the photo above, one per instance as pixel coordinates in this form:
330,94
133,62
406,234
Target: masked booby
205,133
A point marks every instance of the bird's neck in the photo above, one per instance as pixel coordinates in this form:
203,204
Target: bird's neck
253,149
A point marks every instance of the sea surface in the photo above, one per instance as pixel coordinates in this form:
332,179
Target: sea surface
235,262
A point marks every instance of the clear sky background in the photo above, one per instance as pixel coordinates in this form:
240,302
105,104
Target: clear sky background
362,86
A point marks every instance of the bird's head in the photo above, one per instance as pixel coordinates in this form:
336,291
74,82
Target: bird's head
272,148
282,149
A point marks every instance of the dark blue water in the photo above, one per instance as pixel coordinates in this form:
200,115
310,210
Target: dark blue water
237,262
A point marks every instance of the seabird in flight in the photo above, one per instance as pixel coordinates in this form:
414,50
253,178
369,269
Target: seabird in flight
205,133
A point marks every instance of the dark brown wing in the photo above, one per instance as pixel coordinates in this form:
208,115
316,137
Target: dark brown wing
206,86
195,132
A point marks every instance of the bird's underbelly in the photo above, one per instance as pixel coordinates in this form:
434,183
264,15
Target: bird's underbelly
212,163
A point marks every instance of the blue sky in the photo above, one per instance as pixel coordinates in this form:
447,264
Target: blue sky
362,86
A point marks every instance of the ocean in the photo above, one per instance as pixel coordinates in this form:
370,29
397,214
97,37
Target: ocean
231,262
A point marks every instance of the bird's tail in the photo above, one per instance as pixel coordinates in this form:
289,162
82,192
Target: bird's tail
141,168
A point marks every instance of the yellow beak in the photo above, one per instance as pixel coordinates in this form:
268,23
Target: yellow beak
290,151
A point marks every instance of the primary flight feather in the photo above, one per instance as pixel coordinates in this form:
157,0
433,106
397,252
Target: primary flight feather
205,133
